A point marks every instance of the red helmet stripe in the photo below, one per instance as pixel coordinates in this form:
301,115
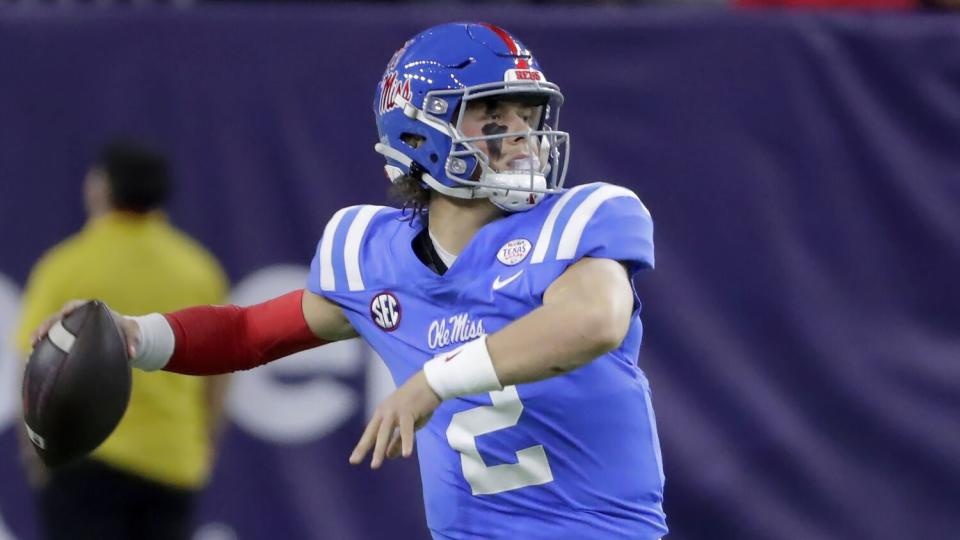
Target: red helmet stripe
511,44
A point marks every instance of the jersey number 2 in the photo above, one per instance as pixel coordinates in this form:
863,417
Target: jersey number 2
531,468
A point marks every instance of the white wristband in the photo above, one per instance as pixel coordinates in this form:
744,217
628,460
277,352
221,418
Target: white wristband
156,342
463,371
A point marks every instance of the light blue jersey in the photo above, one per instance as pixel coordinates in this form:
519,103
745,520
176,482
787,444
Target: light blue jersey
572,457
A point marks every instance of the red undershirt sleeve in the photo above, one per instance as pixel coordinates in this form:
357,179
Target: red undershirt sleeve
212,340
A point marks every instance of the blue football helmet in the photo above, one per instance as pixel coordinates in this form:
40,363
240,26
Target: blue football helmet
420,104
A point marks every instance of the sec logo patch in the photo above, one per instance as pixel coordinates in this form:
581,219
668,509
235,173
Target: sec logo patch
385,311
514,251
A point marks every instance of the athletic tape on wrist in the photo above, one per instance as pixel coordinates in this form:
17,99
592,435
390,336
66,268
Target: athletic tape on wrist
156,342
464,371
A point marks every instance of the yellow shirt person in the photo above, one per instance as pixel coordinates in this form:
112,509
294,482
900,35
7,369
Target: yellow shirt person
129,256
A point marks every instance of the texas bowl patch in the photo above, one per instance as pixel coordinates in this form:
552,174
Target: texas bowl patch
514,251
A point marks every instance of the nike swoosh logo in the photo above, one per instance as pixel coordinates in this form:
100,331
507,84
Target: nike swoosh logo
498,284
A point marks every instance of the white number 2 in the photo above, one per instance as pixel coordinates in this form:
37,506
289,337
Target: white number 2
531,468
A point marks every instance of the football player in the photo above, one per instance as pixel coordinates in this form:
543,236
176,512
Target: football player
501,303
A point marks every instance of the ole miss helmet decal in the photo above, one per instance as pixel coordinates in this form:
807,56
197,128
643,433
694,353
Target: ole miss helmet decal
393,86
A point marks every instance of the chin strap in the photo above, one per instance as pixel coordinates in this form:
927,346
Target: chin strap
395,173
499,188
505,198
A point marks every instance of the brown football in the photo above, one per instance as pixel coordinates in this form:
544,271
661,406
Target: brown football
77,385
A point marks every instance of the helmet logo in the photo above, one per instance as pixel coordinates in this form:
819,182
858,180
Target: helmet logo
391,89
514,251
523,75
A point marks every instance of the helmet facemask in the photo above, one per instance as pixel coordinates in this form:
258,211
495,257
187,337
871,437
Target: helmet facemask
504,141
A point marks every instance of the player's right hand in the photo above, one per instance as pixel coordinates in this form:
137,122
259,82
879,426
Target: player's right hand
390,432
129,328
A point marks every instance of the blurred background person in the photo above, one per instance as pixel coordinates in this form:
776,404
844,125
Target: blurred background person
142,481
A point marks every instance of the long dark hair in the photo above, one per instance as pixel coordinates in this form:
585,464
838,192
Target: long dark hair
411,193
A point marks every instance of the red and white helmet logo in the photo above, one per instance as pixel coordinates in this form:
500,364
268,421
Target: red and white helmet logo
391,89
524,75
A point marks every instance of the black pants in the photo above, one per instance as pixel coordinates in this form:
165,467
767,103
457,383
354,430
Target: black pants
90,500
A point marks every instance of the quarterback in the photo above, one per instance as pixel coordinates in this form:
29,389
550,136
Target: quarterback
501,302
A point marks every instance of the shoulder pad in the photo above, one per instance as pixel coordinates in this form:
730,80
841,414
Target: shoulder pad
597,220
337,265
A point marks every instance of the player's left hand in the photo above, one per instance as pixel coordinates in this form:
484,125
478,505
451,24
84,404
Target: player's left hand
390,431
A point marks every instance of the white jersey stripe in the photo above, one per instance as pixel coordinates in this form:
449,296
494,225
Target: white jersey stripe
570,238
543,241
328,281
351,249
61,337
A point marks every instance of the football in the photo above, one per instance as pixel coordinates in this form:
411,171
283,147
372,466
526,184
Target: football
76,385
